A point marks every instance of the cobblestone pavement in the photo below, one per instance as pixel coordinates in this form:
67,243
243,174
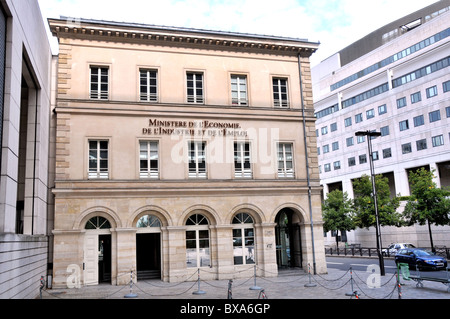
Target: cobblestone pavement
289,284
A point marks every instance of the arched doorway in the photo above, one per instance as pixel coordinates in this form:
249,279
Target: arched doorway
148,247
97,251
288,239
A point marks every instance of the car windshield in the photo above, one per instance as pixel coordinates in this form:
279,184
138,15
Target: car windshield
410,246
421,253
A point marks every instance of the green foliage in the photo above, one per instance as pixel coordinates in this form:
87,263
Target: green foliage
427,203
337,211
364,205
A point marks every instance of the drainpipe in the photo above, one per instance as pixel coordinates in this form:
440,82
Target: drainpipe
307,163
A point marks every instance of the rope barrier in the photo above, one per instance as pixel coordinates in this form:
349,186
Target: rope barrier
332,284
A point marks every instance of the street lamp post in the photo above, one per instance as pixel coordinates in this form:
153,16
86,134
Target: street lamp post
369,135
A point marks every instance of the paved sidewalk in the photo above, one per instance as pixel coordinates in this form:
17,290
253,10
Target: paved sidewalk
289,284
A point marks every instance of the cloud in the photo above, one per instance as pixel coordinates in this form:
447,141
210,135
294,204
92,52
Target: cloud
334,23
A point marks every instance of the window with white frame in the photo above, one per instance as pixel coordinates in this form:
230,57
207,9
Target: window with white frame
437,140
98,159
239,95
148,84
197,159
195,87
243,239
197,242
148,159
285,160
280,92
242,160
432,91
99,83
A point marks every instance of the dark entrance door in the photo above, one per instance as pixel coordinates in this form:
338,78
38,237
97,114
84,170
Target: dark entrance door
148,255
104,258
288,240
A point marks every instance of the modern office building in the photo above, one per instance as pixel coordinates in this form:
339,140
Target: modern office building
179,150
25,94
396,81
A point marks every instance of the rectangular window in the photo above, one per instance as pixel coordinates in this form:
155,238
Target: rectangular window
401,102
242,163
239,94
326,149
197,248
387,153
382,109
375,156
370,114
148,85
348,122
416,97
362,159
195,88
280,92
447,111
327,167
337,165
333,127
349,141
361,139
446,86
406,148
421,144
285,160
197,159
404,125
384,130
351,162
324,130
148,160
419,120
99,86
244,246
438,140
335,146
435,116
432,91
358,118
98,160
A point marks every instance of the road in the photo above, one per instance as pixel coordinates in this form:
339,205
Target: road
362,264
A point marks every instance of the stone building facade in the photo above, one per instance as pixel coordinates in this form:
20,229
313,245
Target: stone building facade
180,149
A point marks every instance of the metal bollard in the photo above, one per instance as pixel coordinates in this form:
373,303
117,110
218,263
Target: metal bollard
230,293
131,294
199,291
254,287
353,292
41,286
310,284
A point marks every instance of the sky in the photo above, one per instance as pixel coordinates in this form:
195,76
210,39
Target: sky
334,23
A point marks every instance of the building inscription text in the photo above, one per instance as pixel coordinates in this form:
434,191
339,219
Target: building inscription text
193,128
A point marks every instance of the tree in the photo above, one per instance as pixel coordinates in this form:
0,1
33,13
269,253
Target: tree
364,203
336,211
427,203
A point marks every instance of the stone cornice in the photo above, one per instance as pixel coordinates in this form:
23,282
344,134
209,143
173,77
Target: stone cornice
179,37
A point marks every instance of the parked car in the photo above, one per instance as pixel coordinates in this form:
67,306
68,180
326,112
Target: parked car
394,248
420,258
